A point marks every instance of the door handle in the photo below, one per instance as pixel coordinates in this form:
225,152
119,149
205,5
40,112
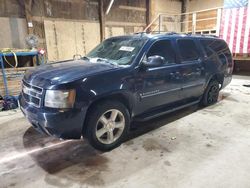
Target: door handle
172,75
200,69
175,75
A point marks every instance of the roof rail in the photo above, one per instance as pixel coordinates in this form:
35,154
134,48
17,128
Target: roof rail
215,36
172,33
175,33
198,34
157,32
148,32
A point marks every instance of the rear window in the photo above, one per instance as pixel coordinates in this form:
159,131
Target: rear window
219,48
215,46
188,50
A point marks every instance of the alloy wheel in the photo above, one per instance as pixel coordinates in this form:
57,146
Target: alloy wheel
213,94
110,126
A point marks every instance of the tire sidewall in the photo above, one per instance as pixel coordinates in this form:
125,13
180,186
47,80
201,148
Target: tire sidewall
94,116
205,96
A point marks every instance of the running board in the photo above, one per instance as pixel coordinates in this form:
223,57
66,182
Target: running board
146,117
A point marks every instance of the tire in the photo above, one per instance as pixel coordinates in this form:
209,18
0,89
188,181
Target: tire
211,93
104,120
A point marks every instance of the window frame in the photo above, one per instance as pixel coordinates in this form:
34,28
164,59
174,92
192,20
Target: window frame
215,53
172,42
182,61
204,48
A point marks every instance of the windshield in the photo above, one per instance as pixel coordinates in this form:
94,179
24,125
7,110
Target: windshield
120,51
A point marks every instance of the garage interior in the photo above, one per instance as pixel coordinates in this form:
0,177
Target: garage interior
192,147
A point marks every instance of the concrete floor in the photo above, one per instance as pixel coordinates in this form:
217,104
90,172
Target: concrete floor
194,147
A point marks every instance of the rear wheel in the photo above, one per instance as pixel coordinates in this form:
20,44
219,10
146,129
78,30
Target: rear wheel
107,125
211,93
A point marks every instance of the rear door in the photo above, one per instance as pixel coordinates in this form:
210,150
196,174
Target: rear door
157,86
192,68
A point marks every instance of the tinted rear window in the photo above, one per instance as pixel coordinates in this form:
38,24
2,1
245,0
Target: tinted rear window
188,50
215,46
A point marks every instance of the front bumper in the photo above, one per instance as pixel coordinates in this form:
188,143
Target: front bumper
63,124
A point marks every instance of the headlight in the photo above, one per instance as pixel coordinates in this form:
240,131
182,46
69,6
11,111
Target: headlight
60,98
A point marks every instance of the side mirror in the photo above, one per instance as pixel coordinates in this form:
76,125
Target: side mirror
154,61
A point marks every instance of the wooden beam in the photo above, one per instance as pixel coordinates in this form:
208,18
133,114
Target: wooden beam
148,13
184,9
122,24
194,23
125,7
28,15
101,19
218,22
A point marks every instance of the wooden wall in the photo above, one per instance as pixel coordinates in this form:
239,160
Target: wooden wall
66,38
12,32
11,8
211,15
205,20
196,5
169,7
125,16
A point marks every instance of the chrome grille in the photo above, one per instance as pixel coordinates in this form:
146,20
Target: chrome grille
32,94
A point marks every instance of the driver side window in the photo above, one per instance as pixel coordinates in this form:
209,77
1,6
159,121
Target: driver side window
163,48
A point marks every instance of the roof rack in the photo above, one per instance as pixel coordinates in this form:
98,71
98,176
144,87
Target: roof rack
211,36
203,35
175,33
157,32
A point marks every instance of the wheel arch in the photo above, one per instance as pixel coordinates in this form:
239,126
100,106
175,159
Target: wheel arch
123,98
217,76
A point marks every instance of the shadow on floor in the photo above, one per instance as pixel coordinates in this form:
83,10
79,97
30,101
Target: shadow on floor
65,154
68,153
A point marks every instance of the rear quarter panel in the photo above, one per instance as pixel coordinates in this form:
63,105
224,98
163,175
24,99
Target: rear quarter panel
219,63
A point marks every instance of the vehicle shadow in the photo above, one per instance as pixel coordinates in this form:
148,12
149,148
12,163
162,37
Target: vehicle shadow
76,160
57,157
140,128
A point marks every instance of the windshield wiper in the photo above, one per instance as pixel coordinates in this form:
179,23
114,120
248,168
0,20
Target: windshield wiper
106,61
86,58
101,59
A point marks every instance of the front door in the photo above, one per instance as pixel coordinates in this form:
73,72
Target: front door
159,85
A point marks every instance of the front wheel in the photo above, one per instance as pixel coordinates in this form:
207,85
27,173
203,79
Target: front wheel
211,93
107,125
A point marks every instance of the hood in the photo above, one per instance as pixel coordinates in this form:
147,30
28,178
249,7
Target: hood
64,72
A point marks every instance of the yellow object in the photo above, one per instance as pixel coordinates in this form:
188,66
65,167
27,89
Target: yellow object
12,50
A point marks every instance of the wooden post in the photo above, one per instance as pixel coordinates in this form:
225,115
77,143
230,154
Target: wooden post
28,15
102,20
184,9
148,13
160,23
218,22
194,23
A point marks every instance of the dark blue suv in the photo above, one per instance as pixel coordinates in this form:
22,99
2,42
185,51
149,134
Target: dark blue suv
124,79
